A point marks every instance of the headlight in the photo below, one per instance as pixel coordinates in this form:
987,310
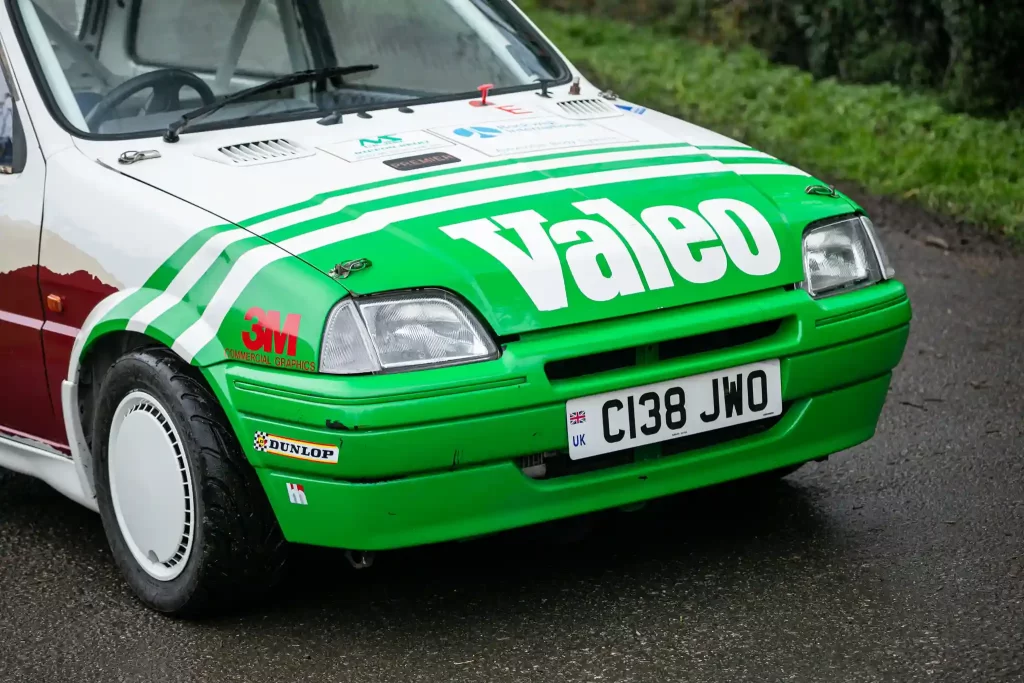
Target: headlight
842,256
404,331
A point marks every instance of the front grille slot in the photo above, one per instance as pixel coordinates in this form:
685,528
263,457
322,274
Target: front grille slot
607,361
560,465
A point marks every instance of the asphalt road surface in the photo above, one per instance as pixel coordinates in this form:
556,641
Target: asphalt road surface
901,560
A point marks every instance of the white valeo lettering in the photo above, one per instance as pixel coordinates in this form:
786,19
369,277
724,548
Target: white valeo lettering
538,270
712,263
583,259
768,256
640,241
603,267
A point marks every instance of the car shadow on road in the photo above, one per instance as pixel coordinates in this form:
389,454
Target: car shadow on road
723,529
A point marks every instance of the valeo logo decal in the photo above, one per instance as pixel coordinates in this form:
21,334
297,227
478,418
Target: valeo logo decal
382,140
699,246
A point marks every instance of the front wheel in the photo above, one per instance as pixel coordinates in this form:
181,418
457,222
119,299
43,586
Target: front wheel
187,520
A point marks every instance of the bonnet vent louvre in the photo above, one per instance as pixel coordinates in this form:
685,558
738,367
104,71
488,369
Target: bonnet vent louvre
261,152
582,109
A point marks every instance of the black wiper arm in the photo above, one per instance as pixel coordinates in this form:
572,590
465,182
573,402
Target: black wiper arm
175,129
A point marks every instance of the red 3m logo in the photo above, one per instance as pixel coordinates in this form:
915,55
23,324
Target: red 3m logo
267,333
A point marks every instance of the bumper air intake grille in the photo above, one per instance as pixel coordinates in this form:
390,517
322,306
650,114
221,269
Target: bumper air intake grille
606,361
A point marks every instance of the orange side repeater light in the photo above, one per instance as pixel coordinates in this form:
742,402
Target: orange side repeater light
55,303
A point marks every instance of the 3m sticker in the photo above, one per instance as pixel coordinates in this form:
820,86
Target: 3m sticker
269,335
380,147
263,442
534,135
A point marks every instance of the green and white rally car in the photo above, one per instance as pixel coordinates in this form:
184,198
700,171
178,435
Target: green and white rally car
371,275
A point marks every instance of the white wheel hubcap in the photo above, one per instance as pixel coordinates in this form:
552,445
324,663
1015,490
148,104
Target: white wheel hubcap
151,486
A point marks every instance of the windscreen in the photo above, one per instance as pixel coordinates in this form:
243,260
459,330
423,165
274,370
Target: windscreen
425,49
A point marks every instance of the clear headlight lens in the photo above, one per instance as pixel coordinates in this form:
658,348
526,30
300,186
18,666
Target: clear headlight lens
403,331
842,256
888,272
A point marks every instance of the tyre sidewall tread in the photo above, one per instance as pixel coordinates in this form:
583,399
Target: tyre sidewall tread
237,549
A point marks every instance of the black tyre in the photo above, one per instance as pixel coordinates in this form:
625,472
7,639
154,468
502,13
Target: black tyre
188,522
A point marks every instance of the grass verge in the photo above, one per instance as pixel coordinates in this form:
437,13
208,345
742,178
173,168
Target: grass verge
889,141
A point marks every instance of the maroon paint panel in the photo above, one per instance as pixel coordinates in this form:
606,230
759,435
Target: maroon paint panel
25,404
80,292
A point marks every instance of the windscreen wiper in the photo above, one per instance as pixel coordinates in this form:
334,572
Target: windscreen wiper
320,75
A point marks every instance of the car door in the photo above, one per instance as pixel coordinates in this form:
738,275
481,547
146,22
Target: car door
26,409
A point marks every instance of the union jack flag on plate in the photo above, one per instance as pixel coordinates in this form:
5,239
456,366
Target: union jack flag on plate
579,417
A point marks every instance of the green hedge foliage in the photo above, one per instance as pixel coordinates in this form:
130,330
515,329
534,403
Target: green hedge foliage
971,51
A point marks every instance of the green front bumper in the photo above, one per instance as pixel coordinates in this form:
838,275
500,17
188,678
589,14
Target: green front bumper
431,456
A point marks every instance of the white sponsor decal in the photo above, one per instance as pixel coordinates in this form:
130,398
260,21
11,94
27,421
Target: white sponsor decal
293,448
534,135
597,248
297,494
379,147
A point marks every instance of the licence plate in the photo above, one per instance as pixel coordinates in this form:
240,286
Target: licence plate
617,420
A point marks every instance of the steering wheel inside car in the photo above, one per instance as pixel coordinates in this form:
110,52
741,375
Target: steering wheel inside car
166,85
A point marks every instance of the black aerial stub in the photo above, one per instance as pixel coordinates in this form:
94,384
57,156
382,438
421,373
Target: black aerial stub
343,270
544,84
822,191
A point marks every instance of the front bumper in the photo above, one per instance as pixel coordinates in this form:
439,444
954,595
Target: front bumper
431,456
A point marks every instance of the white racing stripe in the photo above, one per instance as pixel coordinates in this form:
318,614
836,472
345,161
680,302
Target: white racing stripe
336,204
204,259
737,153
765,169
186,278
202,332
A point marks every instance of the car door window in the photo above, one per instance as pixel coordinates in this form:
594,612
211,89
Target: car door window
6,129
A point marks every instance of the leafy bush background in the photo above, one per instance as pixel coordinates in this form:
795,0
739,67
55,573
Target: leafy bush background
972,51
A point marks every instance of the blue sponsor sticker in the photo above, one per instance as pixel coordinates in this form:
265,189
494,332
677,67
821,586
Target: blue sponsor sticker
484,132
